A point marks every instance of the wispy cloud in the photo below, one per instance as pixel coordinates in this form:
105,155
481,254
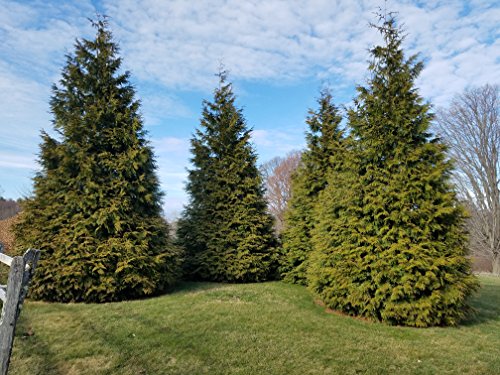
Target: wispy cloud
169,145
23,108
181,44
16,161
36,35
159,105
459,41
173,48
172,155
272,142
33,40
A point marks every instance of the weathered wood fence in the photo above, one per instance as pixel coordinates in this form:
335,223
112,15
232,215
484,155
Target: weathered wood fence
12,296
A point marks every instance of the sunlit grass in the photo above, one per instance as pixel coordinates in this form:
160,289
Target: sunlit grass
269,328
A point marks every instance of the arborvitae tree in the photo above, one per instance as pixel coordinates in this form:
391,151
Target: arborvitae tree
96,213
335,210
194,227
225,229
395,248
324,145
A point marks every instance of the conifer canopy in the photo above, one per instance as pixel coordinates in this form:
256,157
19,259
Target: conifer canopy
95,212
323,153
225,229
390,244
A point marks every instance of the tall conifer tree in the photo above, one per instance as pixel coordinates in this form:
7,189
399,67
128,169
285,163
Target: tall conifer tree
396,252
96,213
324,146
225,229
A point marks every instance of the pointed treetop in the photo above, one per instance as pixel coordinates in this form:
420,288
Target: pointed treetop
101,21
222,73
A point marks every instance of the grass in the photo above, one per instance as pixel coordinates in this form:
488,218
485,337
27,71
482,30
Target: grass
269,328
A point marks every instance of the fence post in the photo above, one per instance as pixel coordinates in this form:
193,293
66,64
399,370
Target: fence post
12,295
10,312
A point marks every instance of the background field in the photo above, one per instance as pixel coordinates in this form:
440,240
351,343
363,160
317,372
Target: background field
269,328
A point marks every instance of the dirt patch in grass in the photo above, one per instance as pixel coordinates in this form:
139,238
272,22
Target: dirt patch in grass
341,313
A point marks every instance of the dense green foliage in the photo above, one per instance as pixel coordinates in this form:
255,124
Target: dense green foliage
225,229
391,244
95,213
323,154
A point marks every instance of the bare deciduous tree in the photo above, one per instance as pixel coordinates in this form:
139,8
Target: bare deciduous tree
8,207
471,128
277,175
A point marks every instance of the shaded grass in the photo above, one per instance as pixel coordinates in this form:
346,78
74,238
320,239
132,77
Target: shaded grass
269,328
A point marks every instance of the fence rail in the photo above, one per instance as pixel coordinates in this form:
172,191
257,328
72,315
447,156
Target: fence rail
12,295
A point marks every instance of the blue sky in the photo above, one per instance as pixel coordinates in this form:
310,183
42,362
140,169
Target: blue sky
279,53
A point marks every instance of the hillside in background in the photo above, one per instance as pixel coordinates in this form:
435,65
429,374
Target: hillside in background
8,208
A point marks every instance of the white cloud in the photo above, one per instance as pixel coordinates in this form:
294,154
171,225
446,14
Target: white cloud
271,142
35,35
178,45
15,161
261,138
172,157
173,206
171,144
181,44
33,40
23,109
459,50
158,105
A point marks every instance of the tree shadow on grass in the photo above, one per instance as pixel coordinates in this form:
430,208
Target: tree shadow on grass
29,344
485,303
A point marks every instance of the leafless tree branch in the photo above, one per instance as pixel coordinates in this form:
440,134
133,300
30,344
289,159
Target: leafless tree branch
471,128
277,175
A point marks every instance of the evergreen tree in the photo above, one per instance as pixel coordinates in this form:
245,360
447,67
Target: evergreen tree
392,246
96,213
324,148
194,228
225,229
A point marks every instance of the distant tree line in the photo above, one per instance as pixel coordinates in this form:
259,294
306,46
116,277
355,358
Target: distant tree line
8,208
372,223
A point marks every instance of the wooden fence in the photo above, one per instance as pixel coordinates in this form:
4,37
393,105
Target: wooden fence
12,296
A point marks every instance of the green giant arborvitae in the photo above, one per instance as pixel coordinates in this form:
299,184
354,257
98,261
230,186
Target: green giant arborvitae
324,146
225,230
95,212
391,246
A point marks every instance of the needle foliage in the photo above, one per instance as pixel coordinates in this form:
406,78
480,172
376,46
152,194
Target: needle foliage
95,212
225,229
390,244
324,148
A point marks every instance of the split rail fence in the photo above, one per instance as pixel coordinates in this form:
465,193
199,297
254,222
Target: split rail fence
12,295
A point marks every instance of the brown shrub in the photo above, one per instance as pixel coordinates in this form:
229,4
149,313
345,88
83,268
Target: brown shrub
6,233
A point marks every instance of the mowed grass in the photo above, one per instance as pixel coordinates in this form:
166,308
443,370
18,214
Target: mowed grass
269,328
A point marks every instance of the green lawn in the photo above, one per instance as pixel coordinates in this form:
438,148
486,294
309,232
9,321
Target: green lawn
269,328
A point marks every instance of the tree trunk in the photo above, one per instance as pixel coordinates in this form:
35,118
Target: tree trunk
496,264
